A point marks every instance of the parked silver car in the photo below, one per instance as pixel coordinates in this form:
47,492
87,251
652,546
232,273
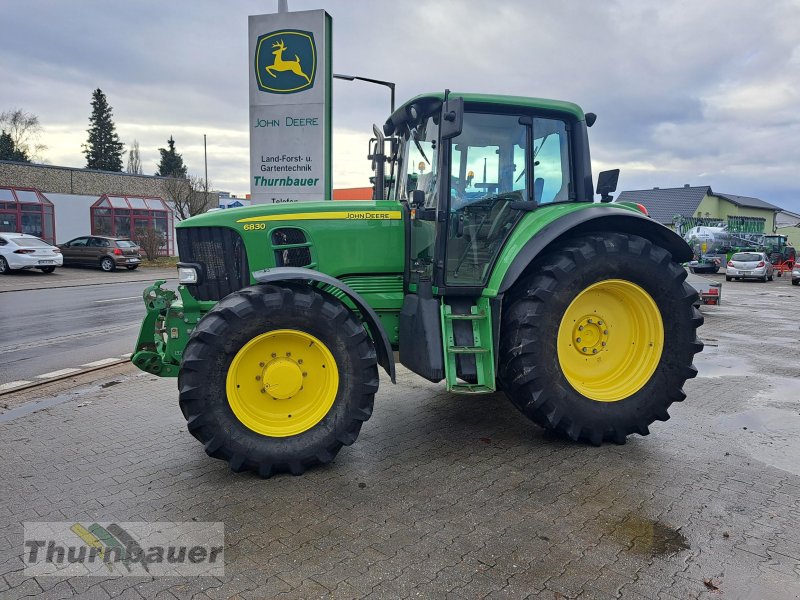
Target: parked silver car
749,265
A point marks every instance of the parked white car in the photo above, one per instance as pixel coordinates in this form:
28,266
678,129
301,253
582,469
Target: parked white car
23,251
749,265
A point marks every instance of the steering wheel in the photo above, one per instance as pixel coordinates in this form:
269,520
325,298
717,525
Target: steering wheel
499,222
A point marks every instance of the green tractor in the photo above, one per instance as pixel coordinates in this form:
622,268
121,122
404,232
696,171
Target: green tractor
484,262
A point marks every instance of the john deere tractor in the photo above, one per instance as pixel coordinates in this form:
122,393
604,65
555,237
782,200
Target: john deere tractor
484,262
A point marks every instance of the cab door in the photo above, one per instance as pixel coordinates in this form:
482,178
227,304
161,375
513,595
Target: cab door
489,181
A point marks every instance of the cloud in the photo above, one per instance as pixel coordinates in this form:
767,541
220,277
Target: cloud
686,92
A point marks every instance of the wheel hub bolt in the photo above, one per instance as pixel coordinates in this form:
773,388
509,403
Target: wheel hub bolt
589,321
594,350
602,343
288,354
585,349
605,332
600,323
578,340
274,355
299,361
258,377
304,375
580,327
261,364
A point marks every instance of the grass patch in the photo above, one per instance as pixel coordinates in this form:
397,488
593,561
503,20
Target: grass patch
162,262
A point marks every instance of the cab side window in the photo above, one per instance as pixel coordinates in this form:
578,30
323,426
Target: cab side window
551,168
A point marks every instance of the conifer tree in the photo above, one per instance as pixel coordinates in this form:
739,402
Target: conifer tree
171,164
103,149
9,150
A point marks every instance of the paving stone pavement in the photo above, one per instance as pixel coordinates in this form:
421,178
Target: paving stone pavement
447,496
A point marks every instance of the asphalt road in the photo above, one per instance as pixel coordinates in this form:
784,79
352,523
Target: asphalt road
86,319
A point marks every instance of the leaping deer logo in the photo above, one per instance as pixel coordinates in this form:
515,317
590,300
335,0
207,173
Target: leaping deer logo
285,65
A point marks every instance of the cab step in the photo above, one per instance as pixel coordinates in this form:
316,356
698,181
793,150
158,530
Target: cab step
471,388
467,350
471,317
481,348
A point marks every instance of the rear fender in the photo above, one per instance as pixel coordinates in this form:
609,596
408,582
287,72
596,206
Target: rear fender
368,315
595,219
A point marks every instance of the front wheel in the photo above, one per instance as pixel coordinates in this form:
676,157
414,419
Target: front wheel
728,278
4,268
598,341
131,267
277,378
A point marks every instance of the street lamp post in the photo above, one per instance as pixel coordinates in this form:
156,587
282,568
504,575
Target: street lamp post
388,84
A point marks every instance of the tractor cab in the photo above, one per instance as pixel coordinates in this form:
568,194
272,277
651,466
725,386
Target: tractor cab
468,184
469,169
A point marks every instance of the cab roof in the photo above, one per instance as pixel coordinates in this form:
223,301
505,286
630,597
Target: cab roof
430,100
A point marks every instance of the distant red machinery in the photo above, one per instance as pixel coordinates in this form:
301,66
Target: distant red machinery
783,266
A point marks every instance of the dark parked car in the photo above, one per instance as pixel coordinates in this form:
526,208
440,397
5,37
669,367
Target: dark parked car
108,253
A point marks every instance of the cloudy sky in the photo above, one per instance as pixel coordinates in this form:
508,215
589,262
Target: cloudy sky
704,92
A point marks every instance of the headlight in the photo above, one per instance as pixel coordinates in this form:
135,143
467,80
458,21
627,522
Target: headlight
187,275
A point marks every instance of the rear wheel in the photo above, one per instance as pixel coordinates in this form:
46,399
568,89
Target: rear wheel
108,264
599,341
277,379
728,278
4,268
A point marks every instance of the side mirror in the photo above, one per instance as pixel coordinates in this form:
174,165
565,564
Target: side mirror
452,118
607,184
417,199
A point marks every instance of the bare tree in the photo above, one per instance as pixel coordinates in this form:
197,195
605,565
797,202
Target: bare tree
151,241
24,129
189,195
134,160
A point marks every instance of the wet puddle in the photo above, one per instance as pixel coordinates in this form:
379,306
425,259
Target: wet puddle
769,431
781,391
713,363
647,537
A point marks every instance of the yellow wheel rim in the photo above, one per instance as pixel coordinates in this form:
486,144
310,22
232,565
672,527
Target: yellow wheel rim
282,383
610,340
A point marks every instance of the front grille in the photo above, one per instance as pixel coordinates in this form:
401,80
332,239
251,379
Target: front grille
293,257
291,248
221,253
287,236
